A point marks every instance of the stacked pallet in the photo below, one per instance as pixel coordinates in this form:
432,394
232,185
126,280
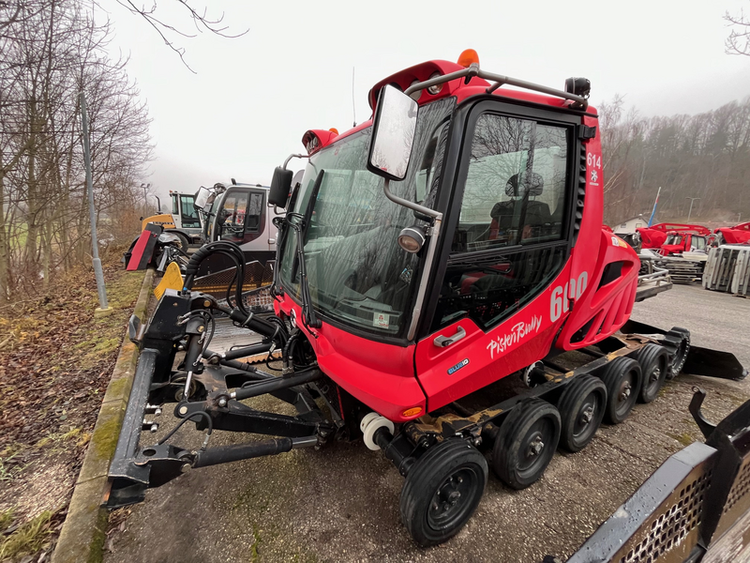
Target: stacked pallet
728,269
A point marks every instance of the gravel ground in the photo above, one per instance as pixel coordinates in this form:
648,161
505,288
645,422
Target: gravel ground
342,503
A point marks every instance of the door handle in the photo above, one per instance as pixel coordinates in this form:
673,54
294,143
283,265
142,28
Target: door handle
272,241
443,341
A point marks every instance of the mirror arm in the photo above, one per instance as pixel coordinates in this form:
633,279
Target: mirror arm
291,156
410,204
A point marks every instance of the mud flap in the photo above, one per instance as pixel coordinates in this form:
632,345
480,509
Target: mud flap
143,251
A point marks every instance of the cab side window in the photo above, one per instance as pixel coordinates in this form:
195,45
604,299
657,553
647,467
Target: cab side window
509,241
189,213
231,217
254,213
515,187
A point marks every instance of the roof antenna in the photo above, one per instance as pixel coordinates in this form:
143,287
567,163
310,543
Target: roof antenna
354,109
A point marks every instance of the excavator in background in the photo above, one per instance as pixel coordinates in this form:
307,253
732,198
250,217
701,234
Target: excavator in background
184,221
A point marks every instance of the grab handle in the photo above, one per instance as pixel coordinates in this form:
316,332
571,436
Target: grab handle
443,341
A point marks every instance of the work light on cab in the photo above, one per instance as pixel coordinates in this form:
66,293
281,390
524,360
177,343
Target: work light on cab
578,86
411,239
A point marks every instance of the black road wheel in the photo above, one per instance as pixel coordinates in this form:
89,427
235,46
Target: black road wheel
184,242
525,443
581,407
654,362
679,340
622,377
442,491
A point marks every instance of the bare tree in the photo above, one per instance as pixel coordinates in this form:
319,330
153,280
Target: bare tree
52,51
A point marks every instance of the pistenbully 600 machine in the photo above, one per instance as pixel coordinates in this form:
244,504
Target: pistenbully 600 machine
452,241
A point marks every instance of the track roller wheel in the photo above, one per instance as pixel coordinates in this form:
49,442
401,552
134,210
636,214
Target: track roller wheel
678,342
622,377
442,491
654,362
581,407
525,443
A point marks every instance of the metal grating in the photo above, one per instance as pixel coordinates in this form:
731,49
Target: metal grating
740,487
673,524
256,275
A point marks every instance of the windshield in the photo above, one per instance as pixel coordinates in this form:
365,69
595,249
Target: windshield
674,239
357,272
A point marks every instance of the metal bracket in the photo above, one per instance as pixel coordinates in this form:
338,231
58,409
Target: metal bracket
705,426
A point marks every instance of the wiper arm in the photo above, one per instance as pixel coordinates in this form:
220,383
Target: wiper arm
300,223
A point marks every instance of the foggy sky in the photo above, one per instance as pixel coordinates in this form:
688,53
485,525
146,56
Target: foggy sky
252,98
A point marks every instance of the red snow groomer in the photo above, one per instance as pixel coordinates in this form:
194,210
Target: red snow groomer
739,234
444,290
674,238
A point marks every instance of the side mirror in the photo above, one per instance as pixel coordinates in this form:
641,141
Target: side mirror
393,134
281,184
201,198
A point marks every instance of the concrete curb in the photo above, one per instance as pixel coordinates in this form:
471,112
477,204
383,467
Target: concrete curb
83,532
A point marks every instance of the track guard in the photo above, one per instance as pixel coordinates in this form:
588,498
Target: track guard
700,361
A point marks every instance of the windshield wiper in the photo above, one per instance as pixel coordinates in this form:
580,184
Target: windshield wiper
300,223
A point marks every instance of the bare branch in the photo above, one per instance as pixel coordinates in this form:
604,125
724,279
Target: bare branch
201,22
738,42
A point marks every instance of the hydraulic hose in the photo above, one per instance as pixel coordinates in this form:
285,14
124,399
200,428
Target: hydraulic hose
227,248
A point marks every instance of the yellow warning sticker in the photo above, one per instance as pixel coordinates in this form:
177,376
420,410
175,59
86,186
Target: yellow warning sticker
172,280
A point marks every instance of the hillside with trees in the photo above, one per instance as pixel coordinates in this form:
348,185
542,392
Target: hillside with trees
704,156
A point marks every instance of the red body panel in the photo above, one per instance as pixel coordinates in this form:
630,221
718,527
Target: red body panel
738,234
652,238
512,345
603,309
380,375
143,250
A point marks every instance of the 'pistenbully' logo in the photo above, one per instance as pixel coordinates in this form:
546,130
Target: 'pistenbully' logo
516,334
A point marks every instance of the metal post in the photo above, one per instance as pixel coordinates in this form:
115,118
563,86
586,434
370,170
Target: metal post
692,199
653,211
103,305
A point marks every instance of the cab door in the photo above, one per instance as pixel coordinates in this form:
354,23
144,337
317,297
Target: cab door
241,218
508,231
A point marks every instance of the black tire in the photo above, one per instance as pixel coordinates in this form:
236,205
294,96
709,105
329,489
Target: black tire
525,443
581,407
442,491
654,362
184,242
678,339
622,377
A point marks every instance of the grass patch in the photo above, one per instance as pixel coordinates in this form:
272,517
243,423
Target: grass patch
685,438
28,539
6,519
10,462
